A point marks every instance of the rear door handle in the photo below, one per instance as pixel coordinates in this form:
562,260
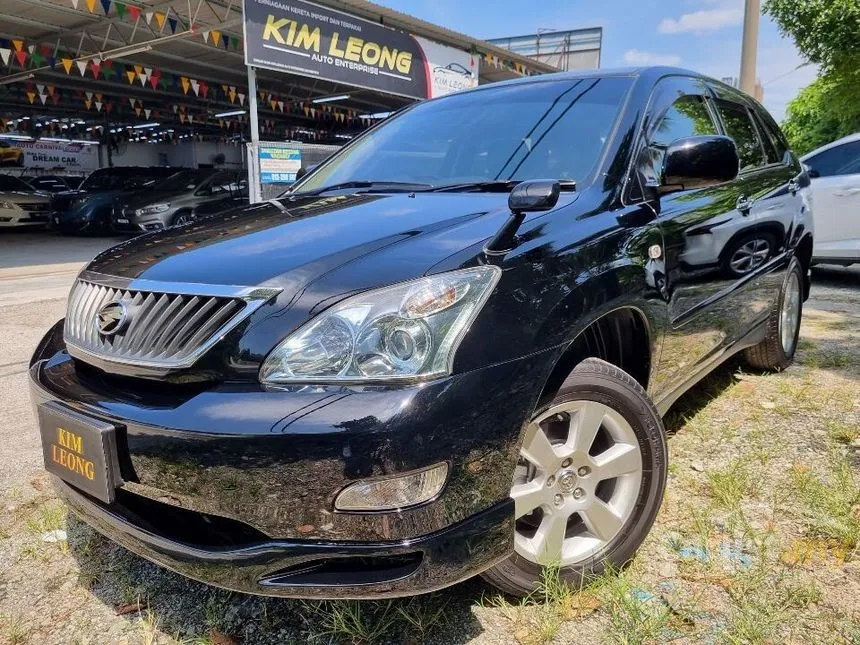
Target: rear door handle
744,204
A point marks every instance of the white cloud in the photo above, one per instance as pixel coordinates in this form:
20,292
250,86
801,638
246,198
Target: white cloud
638,57
701,21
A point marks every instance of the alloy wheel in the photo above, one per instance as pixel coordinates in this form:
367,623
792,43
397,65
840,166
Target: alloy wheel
789,315
750,255
576,482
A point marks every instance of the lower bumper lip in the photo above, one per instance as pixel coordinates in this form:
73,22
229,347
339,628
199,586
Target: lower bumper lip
317,569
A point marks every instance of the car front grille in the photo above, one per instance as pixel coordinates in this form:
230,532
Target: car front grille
36,207
165,326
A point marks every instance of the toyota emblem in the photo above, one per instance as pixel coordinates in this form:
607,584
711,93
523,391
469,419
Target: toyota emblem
111,318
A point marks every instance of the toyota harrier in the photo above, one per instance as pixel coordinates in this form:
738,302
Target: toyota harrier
445,351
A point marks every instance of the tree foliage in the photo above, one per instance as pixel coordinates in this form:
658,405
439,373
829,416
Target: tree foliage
827,33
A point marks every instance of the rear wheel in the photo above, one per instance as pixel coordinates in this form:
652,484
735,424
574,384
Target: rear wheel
589,480
182,218
776,351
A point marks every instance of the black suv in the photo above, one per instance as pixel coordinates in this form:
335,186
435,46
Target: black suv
446,351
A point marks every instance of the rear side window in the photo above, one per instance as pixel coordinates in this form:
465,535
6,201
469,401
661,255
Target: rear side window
740,127
686,117
841,160
775,135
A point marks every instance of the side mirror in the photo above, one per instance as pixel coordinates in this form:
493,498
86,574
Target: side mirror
698,162
813,173
534,195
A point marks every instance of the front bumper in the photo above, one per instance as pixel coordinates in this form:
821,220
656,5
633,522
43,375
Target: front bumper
251,475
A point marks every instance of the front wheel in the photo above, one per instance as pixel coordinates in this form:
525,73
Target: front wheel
589,480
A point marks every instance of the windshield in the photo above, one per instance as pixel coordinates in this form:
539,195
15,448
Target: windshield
13,184
101,180
542,130
184,180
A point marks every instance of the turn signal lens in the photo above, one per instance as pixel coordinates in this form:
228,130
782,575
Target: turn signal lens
393,493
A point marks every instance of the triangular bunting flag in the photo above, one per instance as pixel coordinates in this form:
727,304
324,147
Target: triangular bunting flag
88,103
99,106
75,3
5,52
204,88
154,77
138,110
175,108
226,40
40,87
89,95
95,68
67,64
281,106
120,10
51,90
132,101
241,99
273,103
18,45
91,5
106,6
147,112
82,66
216,37
159,18
148,15
133,12
196,87
181,118
206,37
130,74
21,57
43,98
185,84
31,96
172,22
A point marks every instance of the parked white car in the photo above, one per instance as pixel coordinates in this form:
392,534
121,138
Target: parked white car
835,173
21,204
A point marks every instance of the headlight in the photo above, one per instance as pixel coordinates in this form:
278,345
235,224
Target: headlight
152,209
408,331
6,206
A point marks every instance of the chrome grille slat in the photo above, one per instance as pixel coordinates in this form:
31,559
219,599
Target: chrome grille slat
166,328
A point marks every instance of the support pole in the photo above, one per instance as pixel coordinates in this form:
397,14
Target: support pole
255,192
752,11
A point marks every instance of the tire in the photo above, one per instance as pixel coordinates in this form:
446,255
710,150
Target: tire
181,218
747,254
776,352
625,424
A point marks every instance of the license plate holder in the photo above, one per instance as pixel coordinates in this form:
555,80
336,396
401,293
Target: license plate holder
81,450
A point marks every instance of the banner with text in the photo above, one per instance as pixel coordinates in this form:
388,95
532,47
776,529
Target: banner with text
279,165
299,37
54,154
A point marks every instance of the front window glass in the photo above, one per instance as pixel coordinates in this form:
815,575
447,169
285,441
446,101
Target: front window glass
740,128
540,130
184,180
687,117
841,160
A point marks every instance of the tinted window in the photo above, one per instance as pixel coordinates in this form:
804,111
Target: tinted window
9,183
687,117
770,127
841,160
544,129
740,128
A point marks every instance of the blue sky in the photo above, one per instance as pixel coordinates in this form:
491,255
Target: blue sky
703,35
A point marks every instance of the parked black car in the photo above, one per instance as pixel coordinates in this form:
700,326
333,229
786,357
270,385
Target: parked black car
47,183
445,352
89,208
176,199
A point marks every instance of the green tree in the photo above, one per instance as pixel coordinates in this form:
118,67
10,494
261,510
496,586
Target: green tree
827,33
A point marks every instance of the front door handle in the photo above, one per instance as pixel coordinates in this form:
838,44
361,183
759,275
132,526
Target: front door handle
744,204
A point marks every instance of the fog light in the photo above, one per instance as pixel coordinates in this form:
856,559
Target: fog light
394,492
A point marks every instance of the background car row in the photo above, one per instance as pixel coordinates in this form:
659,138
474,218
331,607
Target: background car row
121,199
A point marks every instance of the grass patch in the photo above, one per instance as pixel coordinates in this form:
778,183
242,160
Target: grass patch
841,432
49,516
831,503
728,486
634,615
12,630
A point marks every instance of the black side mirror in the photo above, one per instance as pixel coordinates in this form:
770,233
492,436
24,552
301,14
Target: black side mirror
534,195
699,162
813,173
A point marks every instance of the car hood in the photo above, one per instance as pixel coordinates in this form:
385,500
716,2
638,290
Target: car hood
150,196
24,198
287,243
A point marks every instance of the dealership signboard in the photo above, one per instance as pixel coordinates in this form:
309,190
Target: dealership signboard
56,155
303,38
279,165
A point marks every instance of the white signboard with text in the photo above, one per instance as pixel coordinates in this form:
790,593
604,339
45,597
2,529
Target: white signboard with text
448,69
58,155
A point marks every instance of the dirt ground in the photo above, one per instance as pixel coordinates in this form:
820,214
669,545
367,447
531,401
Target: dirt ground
757,540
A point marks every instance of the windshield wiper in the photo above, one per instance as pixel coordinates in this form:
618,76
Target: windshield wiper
498,185
396,185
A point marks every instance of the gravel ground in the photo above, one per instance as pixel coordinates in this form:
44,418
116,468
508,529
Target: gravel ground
756,541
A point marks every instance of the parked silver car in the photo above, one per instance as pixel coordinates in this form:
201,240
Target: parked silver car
174,200
21,204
